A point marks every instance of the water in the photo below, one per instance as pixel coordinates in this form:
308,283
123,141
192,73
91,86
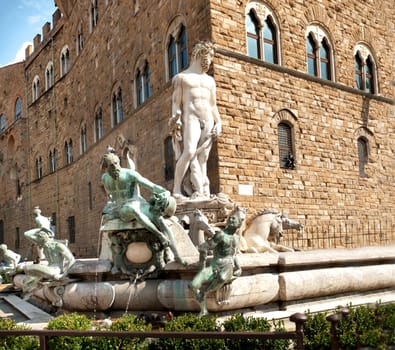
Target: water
96,271
133,288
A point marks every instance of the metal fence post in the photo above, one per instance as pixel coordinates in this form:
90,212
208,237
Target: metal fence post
334,320
43,342
299,320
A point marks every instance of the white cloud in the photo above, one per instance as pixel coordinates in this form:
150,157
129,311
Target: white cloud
32,3
20,55
35,19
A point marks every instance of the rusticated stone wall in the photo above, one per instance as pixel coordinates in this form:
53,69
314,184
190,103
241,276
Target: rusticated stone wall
14,160
324,190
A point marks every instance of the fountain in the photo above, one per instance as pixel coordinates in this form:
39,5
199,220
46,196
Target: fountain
187,251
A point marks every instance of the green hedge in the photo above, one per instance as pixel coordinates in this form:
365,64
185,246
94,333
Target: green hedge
16,343
365,326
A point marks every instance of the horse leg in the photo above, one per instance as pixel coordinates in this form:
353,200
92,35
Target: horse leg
281,248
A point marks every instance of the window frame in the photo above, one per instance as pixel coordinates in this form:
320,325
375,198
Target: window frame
71,228
53,161
286,161
36,88
39,168
68,147
79,39
176,49
49,76
94,15
169,166
367,61
64,61
83,140
117,109
263,19
254,36
99,125
363,159
318,37
3,122
18,108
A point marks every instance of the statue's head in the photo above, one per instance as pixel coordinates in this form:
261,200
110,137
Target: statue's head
37,211
112,164
42,237
3,247
203,50
236,217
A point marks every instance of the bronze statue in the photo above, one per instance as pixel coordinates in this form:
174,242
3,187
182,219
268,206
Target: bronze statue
224,267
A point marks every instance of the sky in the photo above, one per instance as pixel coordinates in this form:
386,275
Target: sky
20,22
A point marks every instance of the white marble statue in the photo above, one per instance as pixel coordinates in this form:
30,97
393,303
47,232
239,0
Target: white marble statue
59,258
263,231
195,122
9,259
43,223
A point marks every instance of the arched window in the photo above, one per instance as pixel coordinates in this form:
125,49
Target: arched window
369,75
253,39
365,69
35,88
18,108
18,188
363,155
143,88
99,130
39,168
262,33
311,55
269,41
117,112
68,150
71,228
182,49
172,57
319,53
325,67
49,76
94,14
285,146
358,66
2,122
177,52
83,140
139,88
147,82
64,61
169,159
80,39
52,161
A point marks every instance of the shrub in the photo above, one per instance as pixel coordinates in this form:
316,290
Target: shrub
386,316
16,343
360,328
73,321
190,323
317,332
127,323
239,323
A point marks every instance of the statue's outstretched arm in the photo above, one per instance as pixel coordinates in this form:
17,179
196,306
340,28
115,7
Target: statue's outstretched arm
141,180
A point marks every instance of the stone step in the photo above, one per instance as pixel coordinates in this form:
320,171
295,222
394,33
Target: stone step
31,312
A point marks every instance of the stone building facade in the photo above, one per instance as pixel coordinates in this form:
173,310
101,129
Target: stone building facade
304,89
14,160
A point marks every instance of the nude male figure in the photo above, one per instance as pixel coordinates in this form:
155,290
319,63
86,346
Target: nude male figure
195,113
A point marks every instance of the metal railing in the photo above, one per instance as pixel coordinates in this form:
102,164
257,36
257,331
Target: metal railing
299,319
353,233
